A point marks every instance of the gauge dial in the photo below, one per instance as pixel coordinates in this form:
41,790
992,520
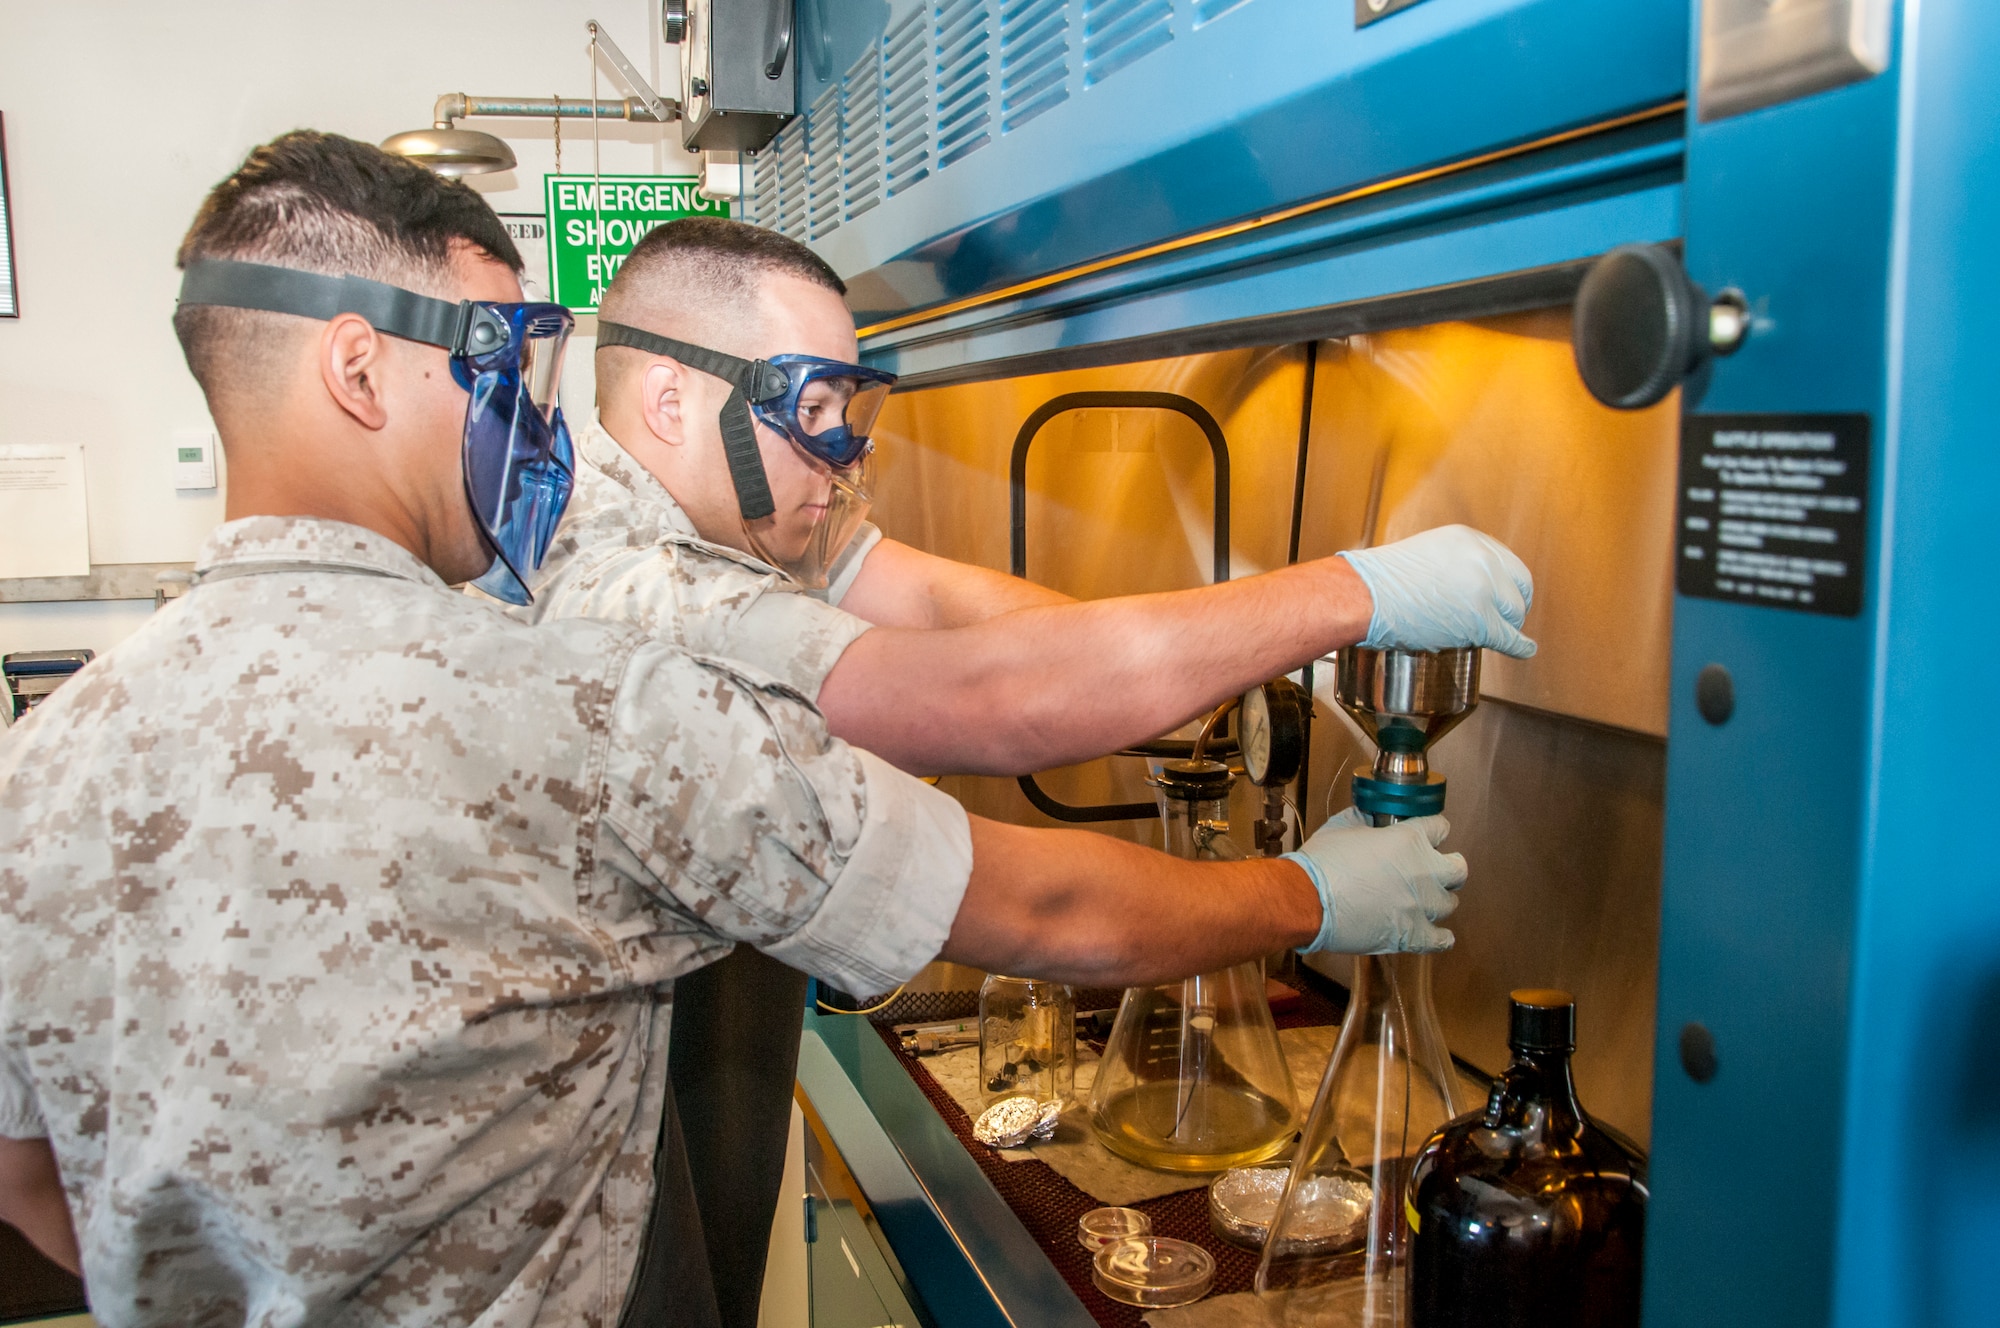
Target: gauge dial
1272,732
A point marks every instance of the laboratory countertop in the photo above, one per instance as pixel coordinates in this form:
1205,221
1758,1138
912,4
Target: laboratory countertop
992,1211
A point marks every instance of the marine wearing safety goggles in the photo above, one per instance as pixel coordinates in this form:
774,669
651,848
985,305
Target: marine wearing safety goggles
825,408
518,463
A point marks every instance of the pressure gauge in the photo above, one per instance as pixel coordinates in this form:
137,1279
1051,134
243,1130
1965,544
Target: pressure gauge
1272,732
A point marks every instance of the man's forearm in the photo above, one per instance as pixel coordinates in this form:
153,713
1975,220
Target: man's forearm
32,1202
1050,686
904,587
1095,911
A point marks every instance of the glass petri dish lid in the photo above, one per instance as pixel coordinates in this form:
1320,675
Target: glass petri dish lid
1153,1272
1100,1226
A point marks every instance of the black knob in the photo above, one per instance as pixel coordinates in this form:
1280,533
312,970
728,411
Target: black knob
1715,694
1640,326
1698,1053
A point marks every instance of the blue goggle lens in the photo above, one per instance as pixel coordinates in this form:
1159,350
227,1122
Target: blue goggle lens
519,464
830,407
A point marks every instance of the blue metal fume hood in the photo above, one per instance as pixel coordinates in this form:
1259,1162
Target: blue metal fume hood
1015,186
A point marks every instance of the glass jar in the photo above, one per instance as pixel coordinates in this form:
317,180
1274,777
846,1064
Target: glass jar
1027,1039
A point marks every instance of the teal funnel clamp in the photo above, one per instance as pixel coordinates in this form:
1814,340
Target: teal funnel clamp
1404,700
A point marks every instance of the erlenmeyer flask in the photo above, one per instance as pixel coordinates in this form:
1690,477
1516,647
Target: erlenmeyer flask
1193,1078
1389,1084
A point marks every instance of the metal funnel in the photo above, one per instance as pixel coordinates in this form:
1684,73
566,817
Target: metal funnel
1405,700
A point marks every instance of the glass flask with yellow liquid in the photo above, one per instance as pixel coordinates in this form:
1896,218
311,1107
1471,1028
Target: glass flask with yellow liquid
1192,1078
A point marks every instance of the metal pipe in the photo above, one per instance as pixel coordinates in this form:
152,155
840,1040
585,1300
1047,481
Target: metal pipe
457,106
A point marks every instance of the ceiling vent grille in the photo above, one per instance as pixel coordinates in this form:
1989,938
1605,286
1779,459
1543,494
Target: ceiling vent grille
861,135
906,104
1117,32
1034,59
964,78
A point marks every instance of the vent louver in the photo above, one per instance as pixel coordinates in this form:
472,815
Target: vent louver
906,104
1034,59
964,76
946,79
790,214
1207,11
861,135
1117,32
823,163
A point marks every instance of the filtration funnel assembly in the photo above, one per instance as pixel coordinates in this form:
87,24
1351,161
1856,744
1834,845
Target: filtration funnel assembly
1390,1082
1193,1078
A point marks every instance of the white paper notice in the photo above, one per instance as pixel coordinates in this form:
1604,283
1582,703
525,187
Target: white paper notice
44,526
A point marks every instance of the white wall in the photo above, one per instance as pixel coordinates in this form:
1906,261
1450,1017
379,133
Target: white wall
121,114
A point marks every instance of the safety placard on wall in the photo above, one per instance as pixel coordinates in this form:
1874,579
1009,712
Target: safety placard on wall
1774,510
594,221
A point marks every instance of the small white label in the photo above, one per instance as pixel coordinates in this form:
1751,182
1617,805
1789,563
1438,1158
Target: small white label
194,458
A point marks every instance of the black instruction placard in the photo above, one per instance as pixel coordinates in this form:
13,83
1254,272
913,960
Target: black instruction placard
1774,510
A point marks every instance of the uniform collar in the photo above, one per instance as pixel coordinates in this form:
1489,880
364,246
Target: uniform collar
309,541
609,456
671,523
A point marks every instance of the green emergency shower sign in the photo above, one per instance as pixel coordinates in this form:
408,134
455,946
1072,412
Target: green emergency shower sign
594,221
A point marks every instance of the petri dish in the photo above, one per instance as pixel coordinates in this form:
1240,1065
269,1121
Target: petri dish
1243,1200
1100,1226
1153,1272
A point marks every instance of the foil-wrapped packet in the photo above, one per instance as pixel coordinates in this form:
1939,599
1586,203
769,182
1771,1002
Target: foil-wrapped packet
1012,1121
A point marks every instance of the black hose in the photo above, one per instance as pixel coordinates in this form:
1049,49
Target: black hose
1017,498
1292,557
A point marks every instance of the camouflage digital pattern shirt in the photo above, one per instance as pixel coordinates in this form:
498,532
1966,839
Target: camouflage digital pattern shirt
339,918
627,552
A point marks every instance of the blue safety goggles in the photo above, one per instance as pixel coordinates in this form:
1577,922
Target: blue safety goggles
827,408
518,463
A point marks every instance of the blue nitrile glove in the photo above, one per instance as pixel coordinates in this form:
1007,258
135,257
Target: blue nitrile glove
1445,588
1381,887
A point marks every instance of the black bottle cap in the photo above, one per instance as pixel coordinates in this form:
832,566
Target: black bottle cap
1195,781
1541,1019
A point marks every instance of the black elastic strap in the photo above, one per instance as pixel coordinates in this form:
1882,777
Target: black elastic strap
284,290
753,380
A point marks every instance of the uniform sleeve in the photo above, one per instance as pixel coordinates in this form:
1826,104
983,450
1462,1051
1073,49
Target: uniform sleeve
710,603
20,1111
840,577
755,825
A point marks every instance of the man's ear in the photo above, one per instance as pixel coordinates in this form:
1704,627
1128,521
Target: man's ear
351,355
661,397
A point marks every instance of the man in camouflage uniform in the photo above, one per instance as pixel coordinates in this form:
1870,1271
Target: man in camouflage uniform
938,666
340,914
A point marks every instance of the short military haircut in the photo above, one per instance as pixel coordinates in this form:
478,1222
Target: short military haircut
697,279
331,205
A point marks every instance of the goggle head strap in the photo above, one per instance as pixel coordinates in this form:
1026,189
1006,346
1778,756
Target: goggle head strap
749,380
464,328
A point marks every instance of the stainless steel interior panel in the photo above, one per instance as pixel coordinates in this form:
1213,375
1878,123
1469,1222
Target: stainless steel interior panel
1555,781
1487,423
1119,502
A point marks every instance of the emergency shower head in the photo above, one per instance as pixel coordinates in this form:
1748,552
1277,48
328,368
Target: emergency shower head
450,151
1404,700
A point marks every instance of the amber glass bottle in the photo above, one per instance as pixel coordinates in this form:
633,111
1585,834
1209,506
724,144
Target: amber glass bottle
1528,1215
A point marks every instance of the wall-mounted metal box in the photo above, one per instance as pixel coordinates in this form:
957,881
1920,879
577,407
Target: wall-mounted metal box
737,83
